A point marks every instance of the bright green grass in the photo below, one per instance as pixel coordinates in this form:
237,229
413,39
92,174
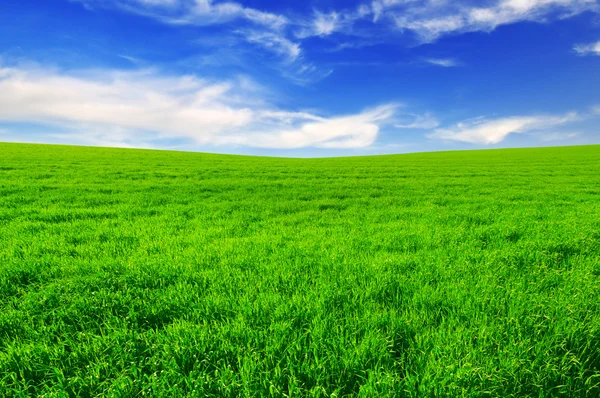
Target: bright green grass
143,273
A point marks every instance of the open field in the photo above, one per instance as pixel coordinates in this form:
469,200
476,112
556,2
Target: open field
145,273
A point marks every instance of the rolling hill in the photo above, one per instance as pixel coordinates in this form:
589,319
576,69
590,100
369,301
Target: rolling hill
155,273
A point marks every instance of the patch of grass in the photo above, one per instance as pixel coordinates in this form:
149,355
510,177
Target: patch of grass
148,273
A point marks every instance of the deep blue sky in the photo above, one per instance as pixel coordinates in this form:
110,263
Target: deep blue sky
293,78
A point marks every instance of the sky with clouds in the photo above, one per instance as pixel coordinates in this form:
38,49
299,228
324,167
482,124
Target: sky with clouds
310,78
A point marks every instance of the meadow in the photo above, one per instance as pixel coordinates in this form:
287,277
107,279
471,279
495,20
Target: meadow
128,273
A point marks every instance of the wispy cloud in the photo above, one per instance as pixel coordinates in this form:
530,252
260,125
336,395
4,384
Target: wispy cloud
305,73
486,131
443,62
196,12
119,108
588,49
260,27
371,22
133,60
352,131
439,18
414,121
432,19
275,42
429,20
323,24
354,44
229,51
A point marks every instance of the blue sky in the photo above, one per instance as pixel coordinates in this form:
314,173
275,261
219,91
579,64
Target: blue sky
290,78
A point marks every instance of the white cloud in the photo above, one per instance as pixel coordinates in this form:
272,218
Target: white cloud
354,131
133,60
439,18
379,7
305,73
137,108
208,12
369,22
432,19
485,131
588,49
322,24
194,12
428,19
443,62
325,24
140,100
274,42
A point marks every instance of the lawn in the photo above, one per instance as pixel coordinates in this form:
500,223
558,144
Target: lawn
127,273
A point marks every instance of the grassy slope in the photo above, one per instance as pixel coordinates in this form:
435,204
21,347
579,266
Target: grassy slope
128,273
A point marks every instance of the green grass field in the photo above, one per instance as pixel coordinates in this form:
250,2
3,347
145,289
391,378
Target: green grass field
127,273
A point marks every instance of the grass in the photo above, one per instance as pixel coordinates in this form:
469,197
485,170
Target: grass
127,273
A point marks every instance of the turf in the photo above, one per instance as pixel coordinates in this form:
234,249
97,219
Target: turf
127,273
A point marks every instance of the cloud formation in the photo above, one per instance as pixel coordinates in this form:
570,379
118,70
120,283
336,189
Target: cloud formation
193,12
486,131
324,24
588,49
267,29
432,19
128,108
276,43
353,131
428,20
373,21
443,62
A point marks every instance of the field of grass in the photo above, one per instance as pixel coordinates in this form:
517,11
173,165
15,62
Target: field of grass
131,273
